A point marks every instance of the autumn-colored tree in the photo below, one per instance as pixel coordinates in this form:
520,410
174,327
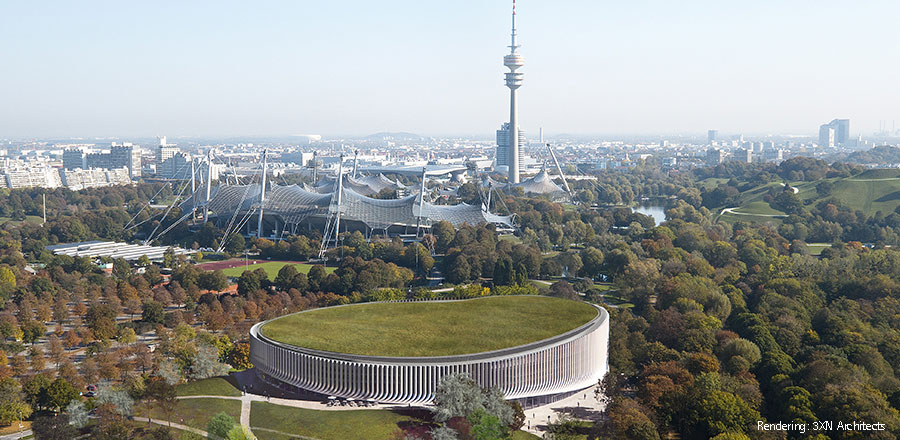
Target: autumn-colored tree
239,357
56,349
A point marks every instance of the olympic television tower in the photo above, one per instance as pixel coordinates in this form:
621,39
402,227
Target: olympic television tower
513,80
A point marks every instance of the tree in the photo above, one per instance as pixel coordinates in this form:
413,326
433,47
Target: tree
235,244
249,283
592,259
127,336
143,261
239,356
486,426
57,350
118,399
153,312
121,268
53,428
206,363
460,271
163,394
32,331
170,372
285,277
12,407
213,280
457,395
562,289
220,425
35,389
444,234
60,393
240,432
78,414
101,319
7,280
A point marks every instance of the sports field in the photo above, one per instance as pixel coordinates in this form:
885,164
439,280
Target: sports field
235,267
431,328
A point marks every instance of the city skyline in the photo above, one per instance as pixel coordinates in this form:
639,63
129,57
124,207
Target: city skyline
106,69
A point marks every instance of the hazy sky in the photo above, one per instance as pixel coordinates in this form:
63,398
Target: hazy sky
217,68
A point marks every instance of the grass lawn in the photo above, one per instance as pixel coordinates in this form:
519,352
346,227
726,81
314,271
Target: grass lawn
759,208
271,268
817,248
511,238
617,301
431,328
214,386
196,412
363,424
14,428
522,435
28,219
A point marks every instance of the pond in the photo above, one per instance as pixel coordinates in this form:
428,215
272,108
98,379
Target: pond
658,212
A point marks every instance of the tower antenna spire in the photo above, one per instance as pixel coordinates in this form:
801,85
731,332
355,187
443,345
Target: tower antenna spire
513,45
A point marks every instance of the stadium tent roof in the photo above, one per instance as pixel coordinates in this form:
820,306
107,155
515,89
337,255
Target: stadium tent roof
293,204
368,185
540,183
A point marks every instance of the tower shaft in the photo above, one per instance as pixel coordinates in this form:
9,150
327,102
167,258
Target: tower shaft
513,138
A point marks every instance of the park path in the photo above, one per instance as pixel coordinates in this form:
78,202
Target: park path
173,424
731,211
301,437
16,435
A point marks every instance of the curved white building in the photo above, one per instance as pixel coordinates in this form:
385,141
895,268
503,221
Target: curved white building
535,373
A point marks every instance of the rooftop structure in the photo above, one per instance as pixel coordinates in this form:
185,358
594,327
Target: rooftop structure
129,252
532,359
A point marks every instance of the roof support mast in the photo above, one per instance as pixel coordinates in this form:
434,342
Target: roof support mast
262,194
340,190
421,203
208,185
559,169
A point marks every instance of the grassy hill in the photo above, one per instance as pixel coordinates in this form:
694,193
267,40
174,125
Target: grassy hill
870,192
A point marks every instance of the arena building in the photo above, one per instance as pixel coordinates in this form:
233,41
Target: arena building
405,369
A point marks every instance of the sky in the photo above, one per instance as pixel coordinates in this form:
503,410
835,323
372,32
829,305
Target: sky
275,68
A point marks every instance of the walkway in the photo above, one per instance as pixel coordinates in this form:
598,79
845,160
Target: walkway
248,398
731,211
16,435
172,424
580,406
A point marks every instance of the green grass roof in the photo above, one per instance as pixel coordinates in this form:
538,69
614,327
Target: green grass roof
431,328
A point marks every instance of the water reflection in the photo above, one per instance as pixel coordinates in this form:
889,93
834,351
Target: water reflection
658,212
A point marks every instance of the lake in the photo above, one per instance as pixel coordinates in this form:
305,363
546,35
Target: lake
658,212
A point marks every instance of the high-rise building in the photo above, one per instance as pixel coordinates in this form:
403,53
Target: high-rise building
836,132
714,156
74,158
125,155
503,153
118,156
712,136
513,61
164,153
826,136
